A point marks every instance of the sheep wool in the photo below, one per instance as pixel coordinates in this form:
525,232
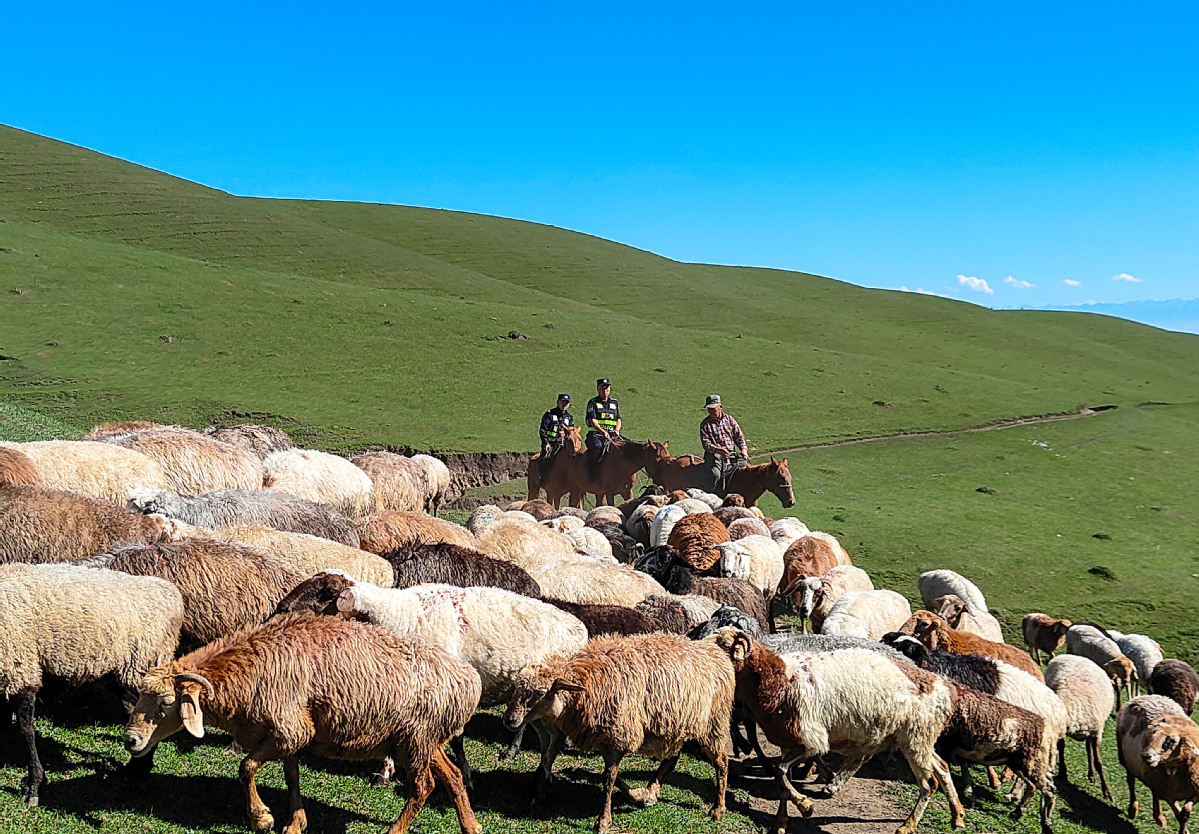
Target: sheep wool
195,464
99,470
310,554
17,468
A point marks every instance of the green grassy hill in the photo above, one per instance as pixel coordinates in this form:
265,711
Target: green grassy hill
142,295
126,293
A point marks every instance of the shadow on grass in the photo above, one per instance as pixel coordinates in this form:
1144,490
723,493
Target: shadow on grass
1089,811
176,800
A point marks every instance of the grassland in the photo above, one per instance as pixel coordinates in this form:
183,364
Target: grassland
144,296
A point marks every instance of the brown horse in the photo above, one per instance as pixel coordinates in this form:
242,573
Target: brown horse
688,472
614,475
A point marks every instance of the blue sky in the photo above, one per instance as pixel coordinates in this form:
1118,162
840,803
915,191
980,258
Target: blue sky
1048,150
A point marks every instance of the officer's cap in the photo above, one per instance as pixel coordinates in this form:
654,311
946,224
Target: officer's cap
564,398
602,382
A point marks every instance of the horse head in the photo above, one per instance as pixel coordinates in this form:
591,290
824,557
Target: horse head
779,482
574,439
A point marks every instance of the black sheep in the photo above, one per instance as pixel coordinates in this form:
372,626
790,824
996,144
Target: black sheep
417,563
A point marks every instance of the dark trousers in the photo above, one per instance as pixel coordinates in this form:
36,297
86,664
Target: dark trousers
547,457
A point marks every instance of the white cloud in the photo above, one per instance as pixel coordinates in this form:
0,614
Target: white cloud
1124,276
975,284
1020,285
1070,282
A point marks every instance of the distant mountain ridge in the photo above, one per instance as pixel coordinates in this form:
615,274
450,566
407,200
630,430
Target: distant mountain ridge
1177,314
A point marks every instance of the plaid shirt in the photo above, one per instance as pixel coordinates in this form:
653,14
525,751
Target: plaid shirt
722,434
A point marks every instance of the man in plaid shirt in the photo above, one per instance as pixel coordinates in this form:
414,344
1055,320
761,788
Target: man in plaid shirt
721,438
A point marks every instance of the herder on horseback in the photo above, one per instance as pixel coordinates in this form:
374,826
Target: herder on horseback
725,450
552,437
603,417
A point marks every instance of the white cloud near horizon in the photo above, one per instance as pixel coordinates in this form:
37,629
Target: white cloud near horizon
975,284
1070,282
1124,276
1020,285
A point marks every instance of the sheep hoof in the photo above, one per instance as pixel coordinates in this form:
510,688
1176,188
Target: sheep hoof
31,800
380,780
642,797
1016,813
263,822
716,813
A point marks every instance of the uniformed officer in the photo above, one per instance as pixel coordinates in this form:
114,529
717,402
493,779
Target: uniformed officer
603,417
552,424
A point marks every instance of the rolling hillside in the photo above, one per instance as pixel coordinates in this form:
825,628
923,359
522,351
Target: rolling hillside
130,293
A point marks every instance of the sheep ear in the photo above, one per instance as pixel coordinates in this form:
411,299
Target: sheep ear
345,600
741,647
189,709
561,685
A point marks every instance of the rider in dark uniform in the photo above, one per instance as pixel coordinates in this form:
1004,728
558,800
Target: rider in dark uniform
603,417
552,424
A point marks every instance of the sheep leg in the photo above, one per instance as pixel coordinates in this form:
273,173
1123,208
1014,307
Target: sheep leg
763,759
993,778
804,804
837,779
1159,816
648,796
420,785
1182,813
927,777
463,764
720,761
1094,752
514,748
1133,806
1061,760
25,701
966,791
291,774
611,771
1027,789
260,816
449,776
1048,798
741,744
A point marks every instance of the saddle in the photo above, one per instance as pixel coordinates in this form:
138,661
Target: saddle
594,458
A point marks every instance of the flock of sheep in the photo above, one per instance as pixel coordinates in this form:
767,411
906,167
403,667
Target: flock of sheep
299,600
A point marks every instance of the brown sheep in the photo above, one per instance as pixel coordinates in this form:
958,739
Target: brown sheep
645,694
1159,745
389,530
195,464
693,538
958,613
225,586
1042,633
935,633
261,440
47,525
1176,680
814,554
349,689
17,468
400,483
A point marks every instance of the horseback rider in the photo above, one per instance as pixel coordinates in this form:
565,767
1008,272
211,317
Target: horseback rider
603,416
552,436
725,450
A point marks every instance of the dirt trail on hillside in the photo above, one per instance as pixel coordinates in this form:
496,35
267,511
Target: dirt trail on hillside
1083,411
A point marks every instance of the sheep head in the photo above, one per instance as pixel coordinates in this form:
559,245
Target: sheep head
324,593
169,701
536,692
950,608
926,627
1170,742
906,645
160,501
736,643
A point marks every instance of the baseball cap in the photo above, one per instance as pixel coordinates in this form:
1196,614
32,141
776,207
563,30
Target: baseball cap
713,401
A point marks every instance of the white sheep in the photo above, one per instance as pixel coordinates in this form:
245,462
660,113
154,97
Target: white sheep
585,581
786,530
1091,642
742,527
437,481
524,542
693,505
868,614
482,517
935,584
756,559
100,470
79,624
310,554
1144,652
817,594
663,522
592,542
563,523
1086,693
714,502
321,477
